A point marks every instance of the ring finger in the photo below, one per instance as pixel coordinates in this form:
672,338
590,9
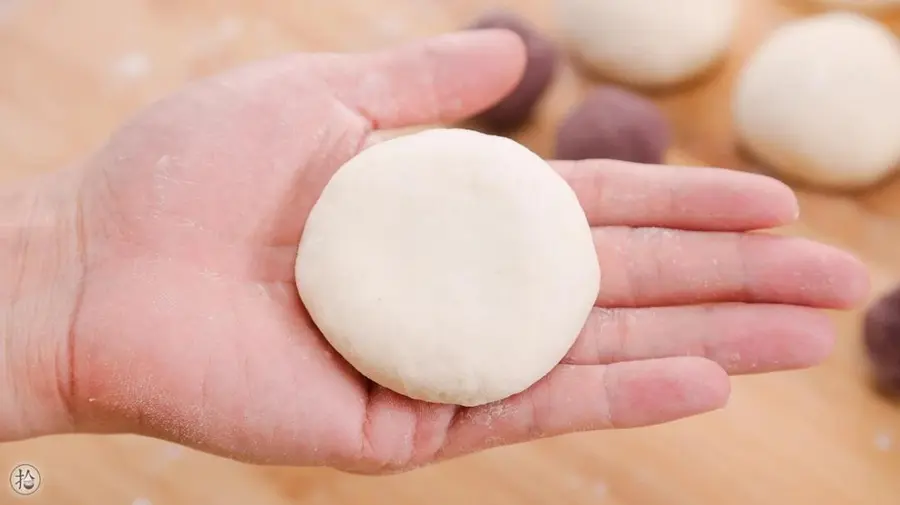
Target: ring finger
741,338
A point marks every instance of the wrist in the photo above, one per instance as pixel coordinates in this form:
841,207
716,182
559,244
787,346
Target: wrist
40,277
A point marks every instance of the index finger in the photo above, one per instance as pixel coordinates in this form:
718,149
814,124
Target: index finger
618,193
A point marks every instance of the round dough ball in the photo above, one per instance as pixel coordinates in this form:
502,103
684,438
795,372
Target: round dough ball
517,107
648,42
881,337
819,101
449,265
616,124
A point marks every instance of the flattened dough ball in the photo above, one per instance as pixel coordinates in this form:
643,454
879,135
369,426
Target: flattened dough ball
449,265
648,42
819,101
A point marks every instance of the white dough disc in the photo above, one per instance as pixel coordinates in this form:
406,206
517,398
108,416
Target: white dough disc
449,265
820,101
648,42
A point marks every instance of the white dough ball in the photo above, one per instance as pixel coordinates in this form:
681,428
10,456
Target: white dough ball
819,101
648,42
449,265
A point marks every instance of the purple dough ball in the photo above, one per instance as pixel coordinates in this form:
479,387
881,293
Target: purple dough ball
881,337
613,123
516,108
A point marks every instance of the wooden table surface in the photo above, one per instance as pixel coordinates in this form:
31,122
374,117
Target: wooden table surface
70,71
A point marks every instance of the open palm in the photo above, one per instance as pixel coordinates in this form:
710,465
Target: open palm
190,327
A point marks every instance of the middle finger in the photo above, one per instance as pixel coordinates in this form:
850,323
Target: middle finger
644,267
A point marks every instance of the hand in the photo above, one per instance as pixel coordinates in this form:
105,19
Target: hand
189,326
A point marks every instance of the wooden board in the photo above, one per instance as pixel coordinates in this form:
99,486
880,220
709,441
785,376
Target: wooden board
70,71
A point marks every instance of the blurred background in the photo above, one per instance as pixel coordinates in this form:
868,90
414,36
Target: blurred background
71,71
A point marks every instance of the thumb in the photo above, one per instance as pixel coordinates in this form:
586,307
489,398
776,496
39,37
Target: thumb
439,80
